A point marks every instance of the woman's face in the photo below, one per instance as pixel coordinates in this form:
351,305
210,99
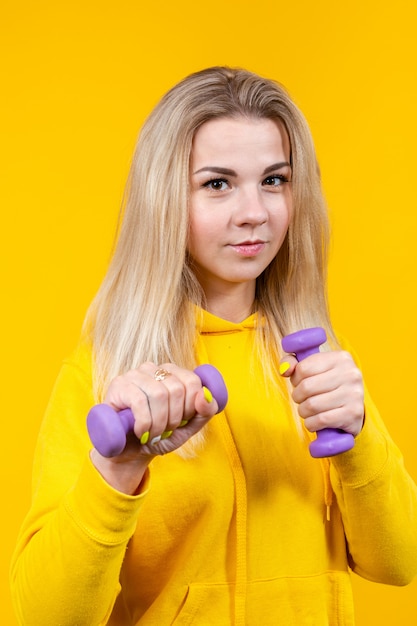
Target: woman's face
240,204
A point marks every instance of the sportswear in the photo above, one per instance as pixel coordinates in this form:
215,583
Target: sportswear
248,530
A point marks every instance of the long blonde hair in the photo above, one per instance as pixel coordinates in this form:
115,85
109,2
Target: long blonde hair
144,310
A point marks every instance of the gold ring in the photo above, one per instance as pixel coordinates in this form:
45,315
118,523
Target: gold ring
161,374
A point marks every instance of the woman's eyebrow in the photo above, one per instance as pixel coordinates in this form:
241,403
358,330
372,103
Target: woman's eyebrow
217,170
276,166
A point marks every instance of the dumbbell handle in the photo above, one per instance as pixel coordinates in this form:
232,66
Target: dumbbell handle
108,428
329,441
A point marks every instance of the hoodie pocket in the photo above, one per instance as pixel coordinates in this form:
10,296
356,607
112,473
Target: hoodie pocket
320,600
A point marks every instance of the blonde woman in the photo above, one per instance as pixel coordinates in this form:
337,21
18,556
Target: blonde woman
206,517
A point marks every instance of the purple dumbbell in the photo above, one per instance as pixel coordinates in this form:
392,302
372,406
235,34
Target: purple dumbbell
330,441
108,428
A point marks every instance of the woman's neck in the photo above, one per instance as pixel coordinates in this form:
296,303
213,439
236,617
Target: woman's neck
231,306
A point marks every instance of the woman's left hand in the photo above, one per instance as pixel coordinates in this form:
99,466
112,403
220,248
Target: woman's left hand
328,389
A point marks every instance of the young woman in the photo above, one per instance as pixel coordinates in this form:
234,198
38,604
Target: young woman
209,518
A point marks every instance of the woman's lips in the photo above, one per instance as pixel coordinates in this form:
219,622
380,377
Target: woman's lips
248,248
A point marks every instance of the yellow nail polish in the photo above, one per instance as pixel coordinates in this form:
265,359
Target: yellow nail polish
145,438
208,396
167,434
183,423
284,367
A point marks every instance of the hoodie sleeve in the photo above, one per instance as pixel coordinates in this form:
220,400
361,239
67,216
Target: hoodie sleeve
378,502
71,546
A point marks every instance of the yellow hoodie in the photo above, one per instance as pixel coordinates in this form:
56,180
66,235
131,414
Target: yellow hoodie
250,531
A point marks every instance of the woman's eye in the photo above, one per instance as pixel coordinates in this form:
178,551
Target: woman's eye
275,181
216,184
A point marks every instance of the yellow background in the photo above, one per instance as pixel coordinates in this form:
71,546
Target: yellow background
77,78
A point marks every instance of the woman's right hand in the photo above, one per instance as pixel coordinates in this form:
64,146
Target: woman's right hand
167,413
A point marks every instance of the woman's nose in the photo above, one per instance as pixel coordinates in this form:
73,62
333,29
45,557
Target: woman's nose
251,208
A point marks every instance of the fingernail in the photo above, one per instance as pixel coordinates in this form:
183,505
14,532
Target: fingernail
284,367
145,438
183,423
167,434
156,440
208,396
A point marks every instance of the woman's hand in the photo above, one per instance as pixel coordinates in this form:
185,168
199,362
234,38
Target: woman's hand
328,389
167,412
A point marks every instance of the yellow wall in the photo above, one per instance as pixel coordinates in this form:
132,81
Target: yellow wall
77,78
